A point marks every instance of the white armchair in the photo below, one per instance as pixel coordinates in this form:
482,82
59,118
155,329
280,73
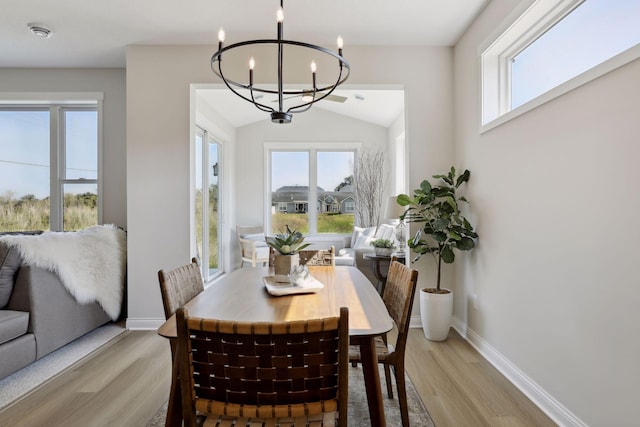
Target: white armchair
253,245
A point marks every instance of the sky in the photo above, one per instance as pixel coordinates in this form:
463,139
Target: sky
596,31
24,151
292,168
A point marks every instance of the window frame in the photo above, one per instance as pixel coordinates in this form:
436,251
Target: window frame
523,26
312,148
56,103
61,159
207,139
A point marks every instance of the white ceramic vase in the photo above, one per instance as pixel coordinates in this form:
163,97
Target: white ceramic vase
436,311
282,265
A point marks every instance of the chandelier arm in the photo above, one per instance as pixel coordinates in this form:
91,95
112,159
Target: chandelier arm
296,108
280,57
218,56
229,84
258,105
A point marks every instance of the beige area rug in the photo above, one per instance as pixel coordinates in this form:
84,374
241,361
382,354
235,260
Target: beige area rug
28,378
358,409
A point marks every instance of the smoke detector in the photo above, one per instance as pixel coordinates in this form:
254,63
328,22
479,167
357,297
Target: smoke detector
40,30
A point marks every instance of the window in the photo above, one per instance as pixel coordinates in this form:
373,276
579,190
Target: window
307,190
49,176
350,206
207,203
553,47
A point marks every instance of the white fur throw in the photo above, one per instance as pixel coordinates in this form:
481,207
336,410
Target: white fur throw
90,263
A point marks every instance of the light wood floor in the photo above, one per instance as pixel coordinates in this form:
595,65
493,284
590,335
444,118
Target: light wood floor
125,382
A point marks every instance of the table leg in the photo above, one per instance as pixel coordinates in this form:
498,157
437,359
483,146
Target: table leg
174,406
372,381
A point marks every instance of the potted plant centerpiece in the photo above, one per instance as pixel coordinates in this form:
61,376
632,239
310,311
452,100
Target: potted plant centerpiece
287,245
444,229
383,247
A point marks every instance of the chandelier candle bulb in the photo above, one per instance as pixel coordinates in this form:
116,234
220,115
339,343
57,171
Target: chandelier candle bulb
252,63
340,45
280,15
221,36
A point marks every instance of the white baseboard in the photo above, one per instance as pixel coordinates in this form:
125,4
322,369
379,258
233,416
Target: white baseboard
415,322
144,324
550,406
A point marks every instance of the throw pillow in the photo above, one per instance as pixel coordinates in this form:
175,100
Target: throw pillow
9,264
357,231
385,231
259,238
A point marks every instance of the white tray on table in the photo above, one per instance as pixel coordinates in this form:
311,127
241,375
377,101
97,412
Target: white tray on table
307,286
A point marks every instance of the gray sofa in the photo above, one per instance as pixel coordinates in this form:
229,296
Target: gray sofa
37,313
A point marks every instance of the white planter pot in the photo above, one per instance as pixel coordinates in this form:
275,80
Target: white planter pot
436,311
282,265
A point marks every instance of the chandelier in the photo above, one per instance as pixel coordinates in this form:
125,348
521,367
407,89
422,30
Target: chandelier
255,93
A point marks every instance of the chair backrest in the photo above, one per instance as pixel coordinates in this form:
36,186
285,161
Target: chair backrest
399,292
249,229
265,370
326,257
179,286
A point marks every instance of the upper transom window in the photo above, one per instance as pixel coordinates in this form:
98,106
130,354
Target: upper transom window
553,47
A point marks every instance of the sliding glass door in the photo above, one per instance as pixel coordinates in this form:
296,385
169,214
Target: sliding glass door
207,169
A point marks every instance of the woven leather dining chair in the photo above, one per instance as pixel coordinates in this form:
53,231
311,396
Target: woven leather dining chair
284,373
398,298
179,286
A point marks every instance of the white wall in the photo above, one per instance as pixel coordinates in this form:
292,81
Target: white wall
110,81
555,200
158,79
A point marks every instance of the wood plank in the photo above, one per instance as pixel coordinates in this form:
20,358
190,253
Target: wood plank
126,382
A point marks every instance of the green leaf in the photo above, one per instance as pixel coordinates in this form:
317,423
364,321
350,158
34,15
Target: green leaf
425,186
463,178
441,224
451,201
447,255
453,235
445,178
440,236
403,200
465,244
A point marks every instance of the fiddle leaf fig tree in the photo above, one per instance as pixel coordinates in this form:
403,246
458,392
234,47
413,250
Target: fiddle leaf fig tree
444,227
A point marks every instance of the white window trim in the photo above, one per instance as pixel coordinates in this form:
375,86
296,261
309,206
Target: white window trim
524,25
209,138
54,101
312,148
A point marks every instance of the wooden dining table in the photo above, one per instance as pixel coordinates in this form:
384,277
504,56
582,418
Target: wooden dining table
242,296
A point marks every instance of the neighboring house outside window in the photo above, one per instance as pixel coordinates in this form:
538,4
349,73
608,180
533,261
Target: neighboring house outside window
310,209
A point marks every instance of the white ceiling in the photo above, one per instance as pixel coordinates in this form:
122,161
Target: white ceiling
92,33
378,106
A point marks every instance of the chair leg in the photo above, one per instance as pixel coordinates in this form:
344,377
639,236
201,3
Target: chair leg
398,370
387,376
